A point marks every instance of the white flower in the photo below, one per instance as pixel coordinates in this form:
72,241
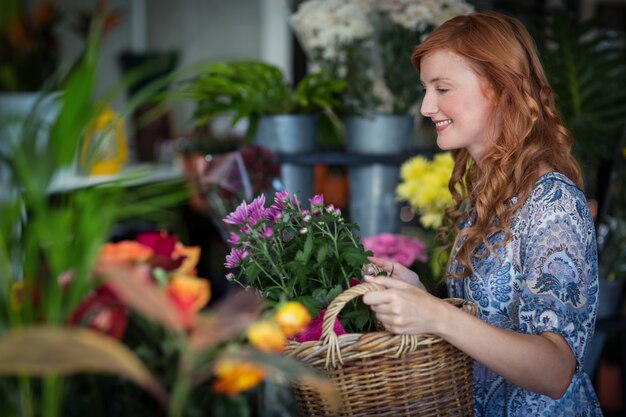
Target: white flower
345,37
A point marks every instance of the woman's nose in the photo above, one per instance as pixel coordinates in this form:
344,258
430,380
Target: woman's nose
429,105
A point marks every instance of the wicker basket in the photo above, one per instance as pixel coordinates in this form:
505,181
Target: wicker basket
383,374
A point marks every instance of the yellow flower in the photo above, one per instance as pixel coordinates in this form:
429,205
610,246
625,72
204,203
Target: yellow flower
233,377
292,318
266,336
424,185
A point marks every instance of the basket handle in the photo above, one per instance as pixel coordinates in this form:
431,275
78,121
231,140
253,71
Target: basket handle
329,337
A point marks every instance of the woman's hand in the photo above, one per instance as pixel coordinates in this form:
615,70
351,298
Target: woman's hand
397,271
403,308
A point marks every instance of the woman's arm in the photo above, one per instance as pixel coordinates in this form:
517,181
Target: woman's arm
540,363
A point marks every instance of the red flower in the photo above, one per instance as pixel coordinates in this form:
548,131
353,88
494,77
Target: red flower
101,311
314,330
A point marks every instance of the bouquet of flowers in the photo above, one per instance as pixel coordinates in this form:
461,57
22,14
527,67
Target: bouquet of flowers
285,251
368,43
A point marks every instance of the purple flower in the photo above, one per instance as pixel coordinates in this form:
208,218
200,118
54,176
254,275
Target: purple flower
256,210
266,232
239,216
234,258
233,238
280,198
276,210
317,202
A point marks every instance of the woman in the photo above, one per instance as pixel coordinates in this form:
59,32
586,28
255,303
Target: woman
525,249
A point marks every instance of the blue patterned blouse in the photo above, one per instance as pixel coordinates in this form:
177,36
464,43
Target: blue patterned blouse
546,281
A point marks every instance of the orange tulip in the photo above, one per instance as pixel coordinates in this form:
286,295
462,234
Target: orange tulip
266,336
292,317
233,377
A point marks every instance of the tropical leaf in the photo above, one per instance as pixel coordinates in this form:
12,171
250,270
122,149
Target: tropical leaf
40,351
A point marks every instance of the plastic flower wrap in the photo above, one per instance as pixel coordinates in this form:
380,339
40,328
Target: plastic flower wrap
398,248
424,185
287,252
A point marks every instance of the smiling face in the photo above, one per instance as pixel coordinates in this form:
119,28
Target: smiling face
455,100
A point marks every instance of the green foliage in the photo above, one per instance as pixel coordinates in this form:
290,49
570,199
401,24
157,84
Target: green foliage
251,89
586,67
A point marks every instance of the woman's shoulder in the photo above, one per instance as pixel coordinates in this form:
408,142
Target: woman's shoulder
555,192
554,186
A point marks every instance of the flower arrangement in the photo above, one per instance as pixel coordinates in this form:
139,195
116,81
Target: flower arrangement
424,184
149,300
398,248
360,41
285,251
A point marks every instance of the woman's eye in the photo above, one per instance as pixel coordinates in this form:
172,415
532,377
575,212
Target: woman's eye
442,90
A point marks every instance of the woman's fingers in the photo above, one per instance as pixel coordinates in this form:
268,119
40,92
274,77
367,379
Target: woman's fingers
386,281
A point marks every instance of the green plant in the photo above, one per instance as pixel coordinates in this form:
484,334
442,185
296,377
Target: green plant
251,89
285,251
585,65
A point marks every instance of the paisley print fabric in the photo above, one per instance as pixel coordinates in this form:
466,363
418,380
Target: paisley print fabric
545,279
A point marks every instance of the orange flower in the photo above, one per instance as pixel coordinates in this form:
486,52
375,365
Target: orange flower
190,255
266,336
189,294
292,317
124,251
233,377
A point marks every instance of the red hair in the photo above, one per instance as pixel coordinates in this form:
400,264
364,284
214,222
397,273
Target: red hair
501,52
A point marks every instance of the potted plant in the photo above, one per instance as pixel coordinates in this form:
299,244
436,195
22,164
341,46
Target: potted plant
280,117
251,89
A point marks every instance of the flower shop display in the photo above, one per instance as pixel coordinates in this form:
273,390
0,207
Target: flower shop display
280,117
368,44
88,325
252,89
287,252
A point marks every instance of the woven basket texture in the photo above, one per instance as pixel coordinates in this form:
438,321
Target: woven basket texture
383,374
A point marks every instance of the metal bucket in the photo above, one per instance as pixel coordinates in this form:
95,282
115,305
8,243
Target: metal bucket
372,197
290,134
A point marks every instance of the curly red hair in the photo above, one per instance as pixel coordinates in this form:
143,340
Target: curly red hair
531,134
